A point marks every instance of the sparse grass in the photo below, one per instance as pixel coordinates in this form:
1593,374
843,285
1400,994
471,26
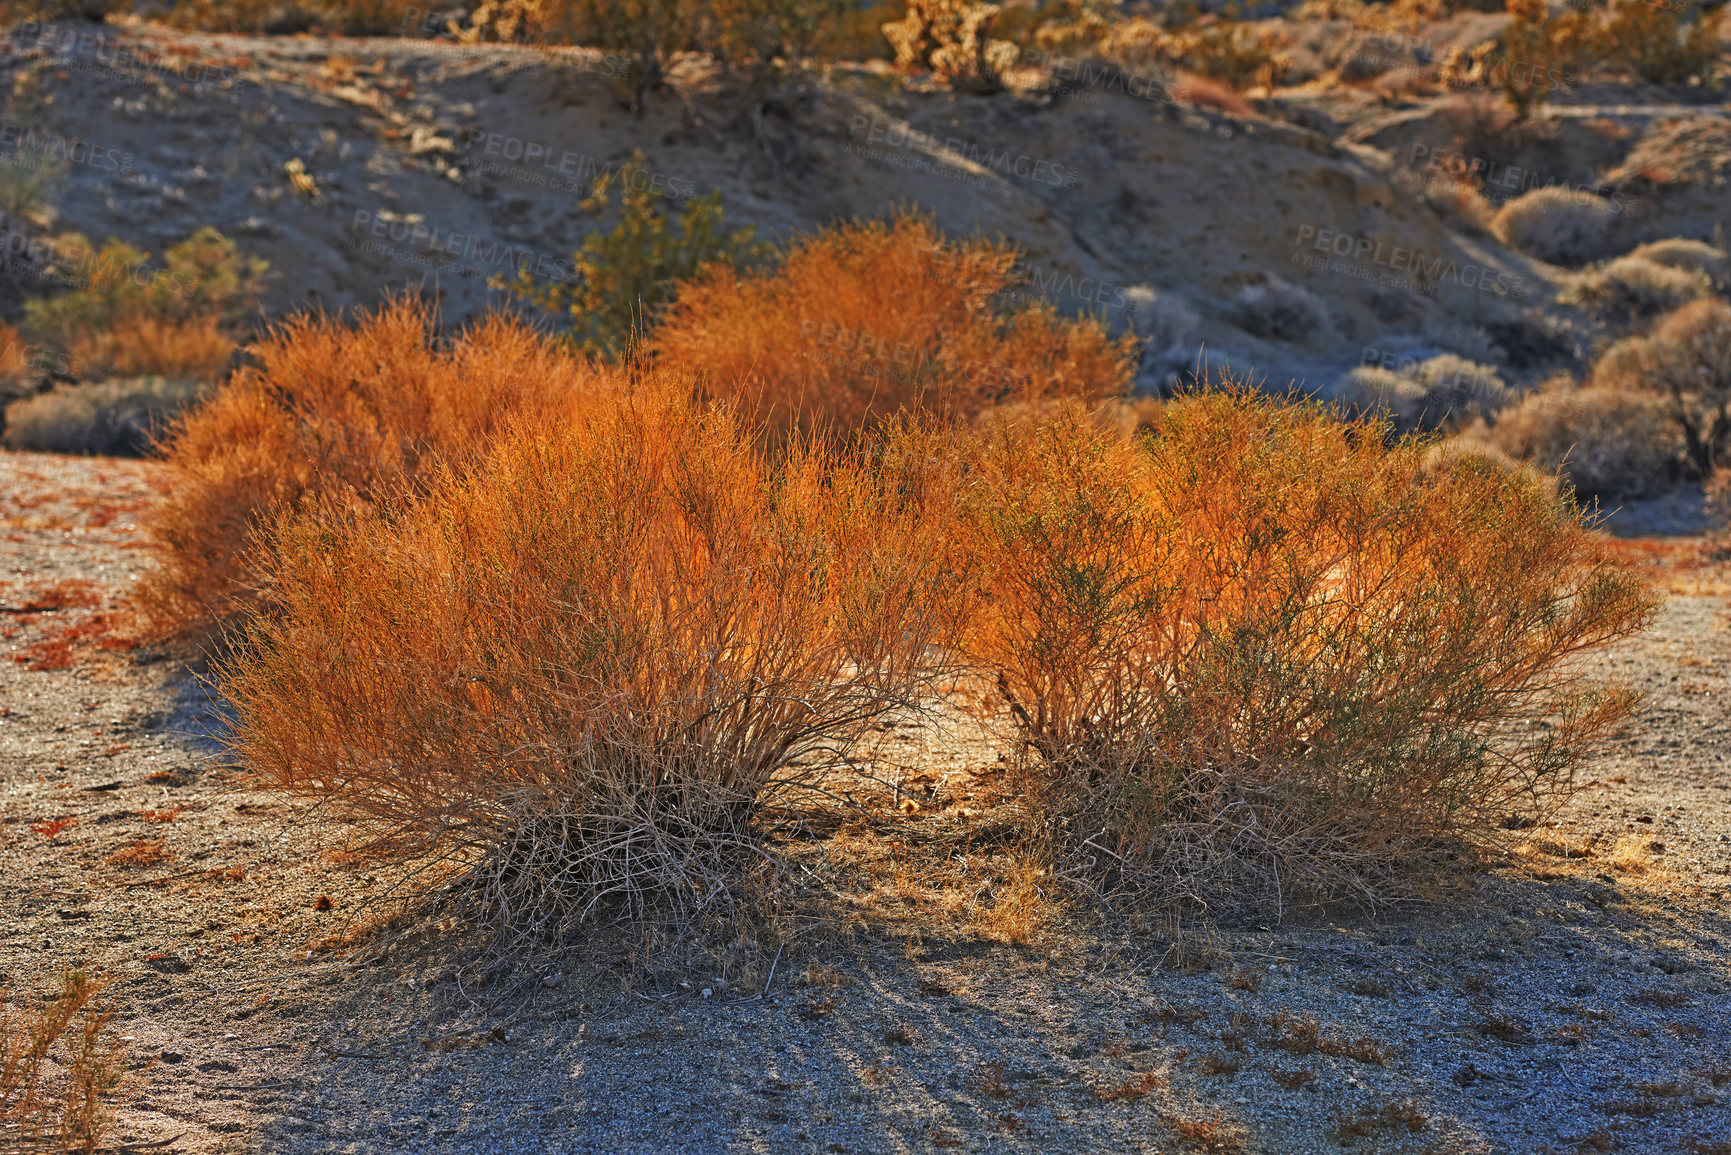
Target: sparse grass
1296,1079
1181,628
1394,1116
989,1080
1021,908
1219,1065
1131,1089
1208,1132
1503,1029
144,852
1245,978
1303,1035
59,1064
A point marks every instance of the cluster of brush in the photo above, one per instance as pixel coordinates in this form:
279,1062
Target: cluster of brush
579,627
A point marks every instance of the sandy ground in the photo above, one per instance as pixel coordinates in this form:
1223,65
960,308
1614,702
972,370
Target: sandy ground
1575,999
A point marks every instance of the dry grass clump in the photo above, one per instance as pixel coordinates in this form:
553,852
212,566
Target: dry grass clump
582,671
1686,365
59,1062
116,418
329,414
1608,443
1443,392
1634,287
867,319
1560,225
1283,311
1690,255
1261,652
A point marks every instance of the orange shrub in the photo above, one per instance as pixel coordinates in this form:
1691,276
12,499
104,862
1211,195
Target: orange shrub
189,350
583,668
329,414
866,319
1259,648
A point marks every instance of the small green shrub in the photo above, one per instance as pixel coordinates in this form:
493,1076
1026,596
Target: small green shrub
1540,52
1651,41
624,275
129,319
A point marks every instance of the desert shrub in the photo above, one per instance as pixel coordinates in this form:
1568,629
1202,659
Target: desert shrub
1634,287
1260,653
585,667
1717,506
328,413
114,418
1236,53
1607,444
1559,225
288,17
1540,50
127,319
1651,41
953,39
1168,329
1691,256
59,1063
1456,390
862,320
1276,308
27,189
1686,363
623,276
1379,394
17,360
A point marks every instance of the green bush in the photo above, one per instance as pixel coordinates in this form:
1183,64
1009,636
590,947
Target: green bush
625,274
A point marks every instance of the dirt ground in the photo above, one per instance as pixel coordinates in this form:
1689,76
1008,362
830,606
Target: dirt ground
1574,1000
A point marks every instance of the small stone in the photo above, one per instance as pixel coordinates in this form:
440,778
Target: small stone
707,991
552,980
172,1057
